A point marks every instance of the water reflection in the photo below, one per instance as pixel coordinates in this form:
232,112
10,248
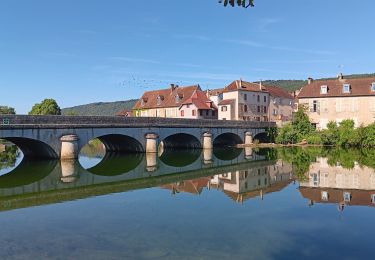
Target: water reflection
328,181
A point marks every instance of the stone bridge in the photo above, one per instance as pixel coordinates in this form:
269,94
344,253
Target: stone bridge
64,136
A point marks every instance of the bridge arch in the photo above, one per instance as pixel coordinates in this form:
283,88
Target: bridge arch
262,137
120,143
32,148
227,139
181,141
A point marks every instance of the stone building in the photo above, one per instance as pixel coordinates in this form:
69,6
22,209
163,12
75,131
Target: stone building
242,100
176,102
339,99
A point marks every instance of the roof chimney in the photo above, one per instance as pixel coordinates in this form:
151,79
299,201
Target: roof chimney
260,85
173,87
340,76
310,80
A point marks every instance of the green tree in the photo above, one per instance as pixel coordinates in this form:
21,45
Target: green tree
301,124
4,110
241,3
47,107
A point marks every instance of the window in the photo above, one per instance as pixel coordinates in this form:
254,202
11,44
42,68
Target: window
373,87
193,112
258,118
347,196
346,88
177,99
188,106
213,113
324,195
258,98
201,112
315,106
373,198
224,108
264,109
275,112
323,89
244,96
265,99
245,108
182,113
258,109
158,100
207,112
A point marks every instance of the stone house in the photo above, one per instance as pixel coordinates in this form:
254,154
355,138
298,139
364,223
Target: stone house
176,102
339,99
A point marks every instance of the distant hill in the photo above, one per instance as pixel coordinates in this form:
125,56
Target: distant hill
291,85
100,108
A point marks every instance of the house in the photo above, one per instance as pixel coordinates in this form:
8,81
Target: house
242,100
176,102
339,99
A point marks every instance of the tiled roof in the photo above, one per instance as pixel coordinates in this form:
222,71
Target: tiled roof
278,92
244,85
214,92
200,100
358,197
167,97
125,112
359,87
226,102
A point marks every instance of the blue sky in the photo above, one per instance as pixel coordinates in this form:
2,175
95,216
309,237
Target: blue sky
82,51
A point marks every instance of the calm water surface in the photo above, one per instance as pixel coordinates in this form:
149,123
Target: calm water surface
229,204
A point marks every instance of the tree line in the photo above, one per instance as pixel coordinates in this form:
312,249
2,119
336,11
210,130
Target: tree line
48,106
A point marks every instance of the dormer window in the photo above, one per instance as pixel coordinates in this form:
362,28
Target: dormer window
324,89
177,98
346,88
159,99
143,101
373,87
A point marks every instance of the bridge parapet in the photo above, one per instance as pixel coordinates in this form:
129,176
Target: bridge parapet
58,122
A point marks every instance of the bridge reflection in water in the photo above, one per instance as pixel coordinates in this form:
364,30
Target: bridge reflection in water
239,172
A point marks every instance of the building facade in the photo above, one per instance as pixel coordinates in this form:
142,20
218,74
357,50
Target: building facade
242,100
176,102
339,99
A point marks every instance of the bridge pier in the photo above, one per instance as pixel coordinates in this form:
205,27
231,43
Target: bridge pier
207,141
151,162
248,138
248,153
68,171
151,143
69,147
208,156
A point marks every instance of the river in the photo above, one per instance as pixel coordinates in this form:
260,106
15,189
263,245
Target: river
227,204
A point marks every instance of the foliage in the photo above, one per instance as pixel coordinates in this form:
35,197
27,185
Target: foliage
368,136
100,109
242,3
286,135
5,110
8,157
272,133
47,107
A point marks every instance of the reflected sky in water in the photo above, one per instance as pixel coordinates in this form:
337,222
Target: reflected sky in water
257,205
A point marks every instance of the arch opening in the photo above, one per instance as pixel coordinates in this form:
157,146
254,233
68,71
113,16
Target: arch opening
180,158
114,164
121,143
10,157
181,141
262,138
227,139
33,149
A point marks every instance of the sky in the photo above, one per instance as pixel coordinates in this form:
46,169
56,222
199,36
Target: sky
84,51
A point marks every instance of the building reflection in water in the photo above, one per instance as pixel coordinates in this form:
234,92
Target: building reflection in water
339,185
240,185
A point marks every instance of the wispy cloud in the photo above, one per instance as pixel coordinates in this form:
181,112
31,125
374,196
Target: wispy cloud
192,36
245,42
280,48
136,60
266,22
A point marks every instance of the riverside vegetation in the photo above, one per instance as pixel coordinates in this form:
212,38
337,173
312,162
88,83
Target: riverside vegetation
343,134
